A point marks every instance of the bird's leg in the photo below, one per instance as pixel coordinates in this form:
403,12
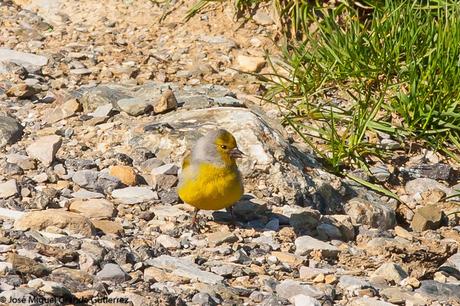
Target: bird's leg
230,210
194,216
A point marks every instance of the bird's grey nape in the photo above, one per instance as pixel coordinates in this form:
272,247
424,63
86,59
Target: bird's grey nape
205,149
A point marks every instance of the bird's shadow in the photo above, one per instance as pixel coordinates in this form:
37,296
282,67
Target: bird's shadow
248,214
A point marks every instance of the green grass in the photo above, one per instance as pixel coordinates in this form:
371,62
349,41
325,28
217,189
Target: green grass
396,67
354,72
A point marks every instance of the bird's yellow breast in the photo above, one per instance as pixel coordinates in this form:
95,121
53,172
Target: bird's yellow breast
210,187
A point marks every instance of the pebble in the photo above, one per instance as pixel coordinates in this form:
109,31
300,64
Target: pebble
262,18
306,244
168,242
67,221
102,111
112,273
126,174
438,291
428,217
134,195
66,110
45,148
29,61
304,300
168,169
250,63
134,106
11,130
166,103
391,272
184,268
372,213
93,208
288,289
369,301
8,189
23,161
108,227
220,237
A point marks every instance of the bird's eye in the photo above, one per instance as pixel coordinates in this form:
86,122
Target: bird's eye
223,147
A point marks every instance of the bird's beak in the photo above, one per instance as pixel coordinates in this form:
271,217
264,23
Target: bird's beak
236,153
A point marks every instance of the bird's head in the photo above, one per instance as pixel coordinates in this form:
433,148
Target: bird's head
218,146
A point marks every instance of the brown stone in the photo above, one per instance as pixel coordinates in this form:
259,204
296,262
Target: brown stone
93,208
427,217
166,103
26,265
108,227
125,174
65,220
66,110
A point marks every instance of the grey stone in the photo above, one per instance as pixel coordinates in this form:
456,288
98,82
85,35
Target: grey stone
22,161
303,300
8,189
372,213
86,194
267,240
273,225
107,183
452,266
422,185
223,269
102,111
92,98
29,61
328,231
80,71
203,299
401,296
369,301
306,244
380,172
165,212
302,218
228,101
55,289
134,106
437,171
289,288
184,268
168,169
134,195
19,294
113,273
309,273
168,242
439,291
11,130
352,283
86,178
391,272
11,214
219,40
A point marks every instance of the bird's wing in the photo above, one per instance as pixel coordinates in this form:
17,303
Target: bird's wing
186,161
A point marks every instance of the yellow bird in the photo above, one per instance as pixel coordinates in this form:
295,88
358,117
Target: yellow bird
210,179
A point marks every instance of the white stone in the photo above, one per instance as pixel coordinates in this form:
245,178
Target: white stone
45,148
8,189
134,195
